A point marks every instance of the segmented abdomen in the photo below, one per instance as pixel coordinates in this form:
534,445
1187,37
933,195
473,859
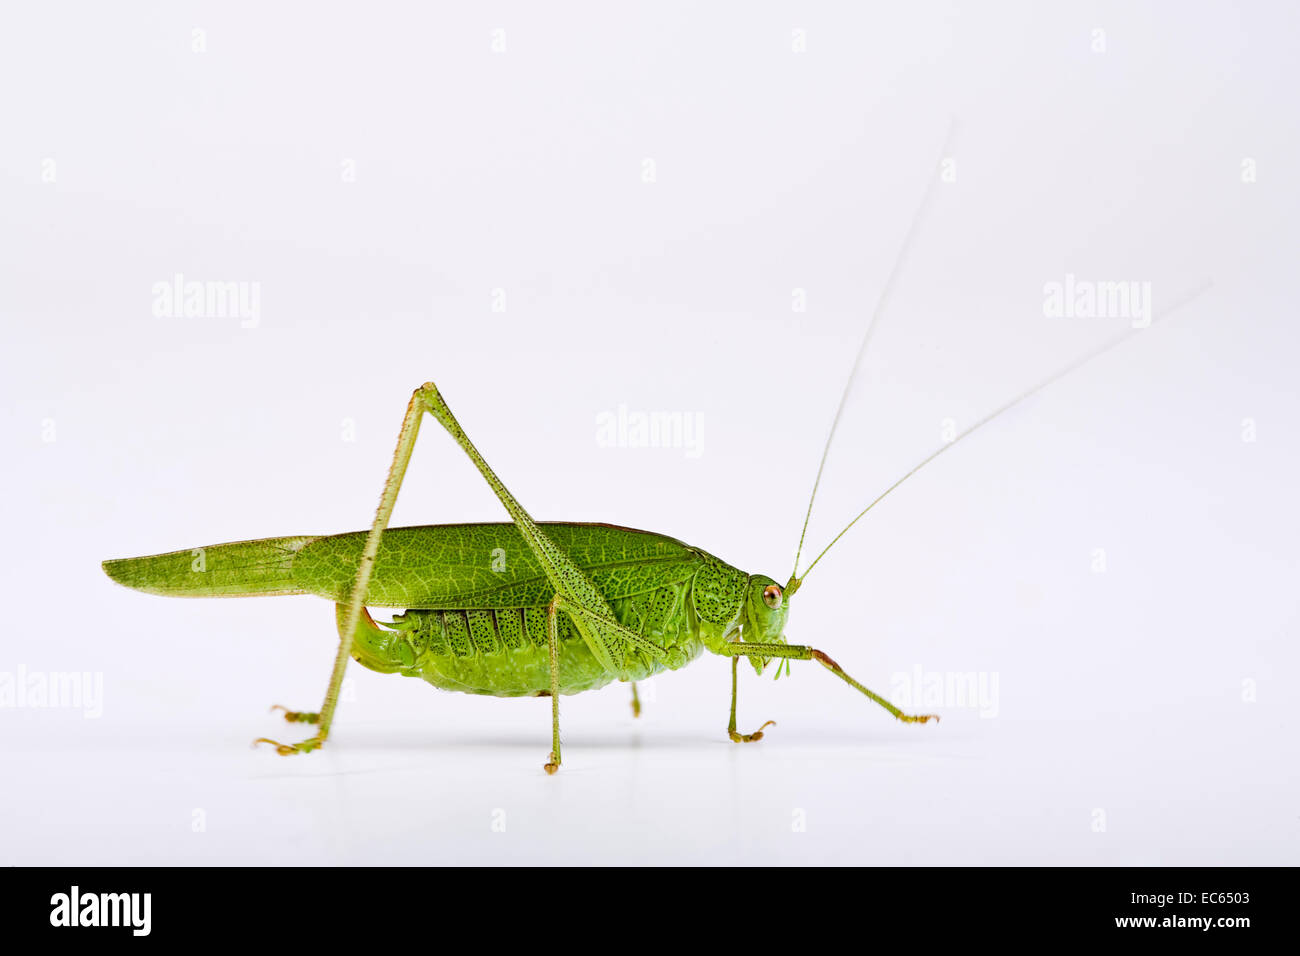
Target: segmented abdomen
504,652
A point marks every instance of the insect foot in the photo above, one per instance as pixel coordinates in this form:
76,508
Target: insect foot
553,766
918,718
749,738
297,717
288,750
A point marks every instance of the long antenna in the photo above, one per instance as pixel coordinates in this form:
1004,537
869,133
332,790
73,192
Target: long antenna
1057,376
885,294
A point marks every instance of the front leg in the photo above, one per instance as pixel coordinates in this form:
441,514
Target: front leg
739,738
797,653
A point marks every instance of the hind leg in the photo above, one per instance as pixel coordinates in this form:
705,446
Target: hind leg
368,638
609,641
297,716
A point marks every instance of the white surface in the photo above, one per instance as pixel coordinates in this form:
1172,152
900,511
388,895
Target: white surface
1121,692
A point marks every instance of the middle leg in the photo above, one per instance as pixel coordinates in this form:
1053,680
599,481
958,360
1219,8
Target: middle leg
553,645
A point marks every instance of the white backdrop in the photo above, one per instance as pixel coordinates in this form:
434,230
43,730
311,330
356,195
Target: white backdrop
557,212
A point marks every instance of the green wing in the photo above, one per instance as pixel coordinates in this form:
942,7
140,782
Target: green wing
236,569
483,566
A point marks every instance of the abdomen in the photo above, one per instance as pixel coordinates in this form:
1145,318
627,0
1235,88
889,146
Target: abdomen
503,651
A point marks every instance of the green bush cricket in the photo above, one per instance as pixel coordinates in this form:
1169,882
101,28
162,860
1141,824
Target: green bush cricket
578,606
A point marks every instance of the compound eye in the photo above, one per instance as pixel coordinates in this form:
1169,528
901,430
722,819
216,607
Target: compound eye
772,596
